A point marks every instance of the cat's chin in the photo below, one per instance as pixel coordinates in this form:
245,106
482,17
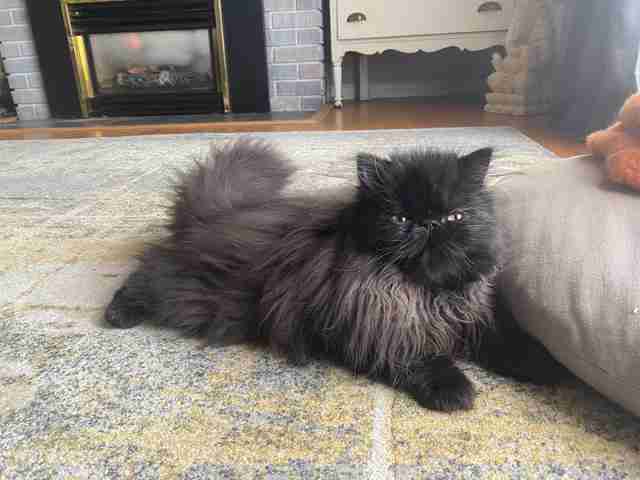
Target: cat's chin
432,279
422,279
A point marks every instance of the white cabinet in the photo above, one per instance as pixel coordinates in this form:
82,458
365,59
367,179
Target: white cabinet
373,26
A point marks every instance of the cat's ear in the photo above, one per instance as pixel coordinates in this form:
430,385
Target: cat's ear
474,166
370,169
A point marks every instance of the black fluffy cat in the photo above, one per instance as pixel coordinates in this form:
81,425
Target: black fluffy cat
393,278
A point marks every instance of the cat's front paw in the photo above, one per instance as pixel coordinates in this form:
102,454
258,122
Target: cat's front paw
119,313
448,392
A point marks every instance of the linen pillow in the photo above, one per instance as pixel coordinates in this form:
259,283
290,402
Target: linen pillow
573,270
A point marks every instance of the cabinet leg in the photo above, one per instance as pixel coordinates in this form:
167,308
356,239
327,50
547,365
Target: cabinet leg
363,89
337,83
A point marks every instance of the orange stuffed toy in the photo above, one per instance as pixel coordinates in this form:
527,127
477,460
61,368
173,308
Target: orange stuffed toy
619,145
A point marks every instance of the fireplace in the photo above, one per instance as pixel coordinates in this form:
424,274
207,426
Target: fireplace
132,57
141,57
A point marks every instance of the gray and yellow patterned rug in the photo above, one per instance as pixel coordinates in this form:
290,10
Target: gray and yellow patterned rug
78,400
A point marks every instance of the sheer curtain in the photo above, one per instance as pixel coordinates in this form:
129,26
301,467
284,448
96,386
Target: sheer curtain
596,70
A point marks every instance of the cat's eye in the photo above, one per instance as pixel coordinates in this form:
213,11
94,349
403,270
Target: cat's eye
399,219
452,217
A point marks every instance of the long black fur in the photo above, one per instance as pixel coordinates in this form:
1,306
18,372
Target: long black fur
393,278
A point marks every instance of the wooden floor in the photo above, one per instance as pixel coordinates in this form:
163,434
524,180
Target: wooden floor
377,114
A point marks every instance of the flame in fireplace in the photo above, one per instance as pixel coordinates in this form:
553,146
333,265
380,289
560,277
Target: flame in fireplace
134,41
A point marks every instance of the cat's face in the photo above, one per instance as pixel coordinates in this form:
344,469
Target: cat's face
427,212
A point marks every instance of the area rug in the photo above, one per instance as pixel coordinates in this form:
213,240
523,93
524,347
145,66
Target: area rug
78,400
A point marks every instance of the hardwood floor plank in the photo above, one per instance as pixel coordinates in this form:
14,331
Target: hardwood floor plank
376,114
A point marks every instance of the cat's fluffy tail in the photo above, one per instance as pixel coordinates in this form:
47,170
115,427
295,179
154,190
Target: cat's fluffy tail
243,173
226,210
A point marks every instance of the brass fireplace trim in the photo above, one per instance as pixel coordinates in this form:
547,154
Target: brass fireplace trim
81,60
221,56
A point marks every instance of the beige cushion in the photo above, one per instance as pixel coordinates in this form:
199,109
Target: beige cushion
573,275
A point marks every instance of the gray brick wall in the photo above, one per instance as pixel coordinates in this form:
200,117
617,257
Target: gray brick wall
295,54
20,62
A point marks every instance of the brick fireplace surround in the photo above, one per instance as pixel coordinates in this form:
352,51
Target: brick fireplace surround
295,57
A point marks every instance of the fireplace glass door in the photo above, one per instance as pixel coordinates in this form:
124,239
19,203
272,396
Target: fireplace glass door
145,62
